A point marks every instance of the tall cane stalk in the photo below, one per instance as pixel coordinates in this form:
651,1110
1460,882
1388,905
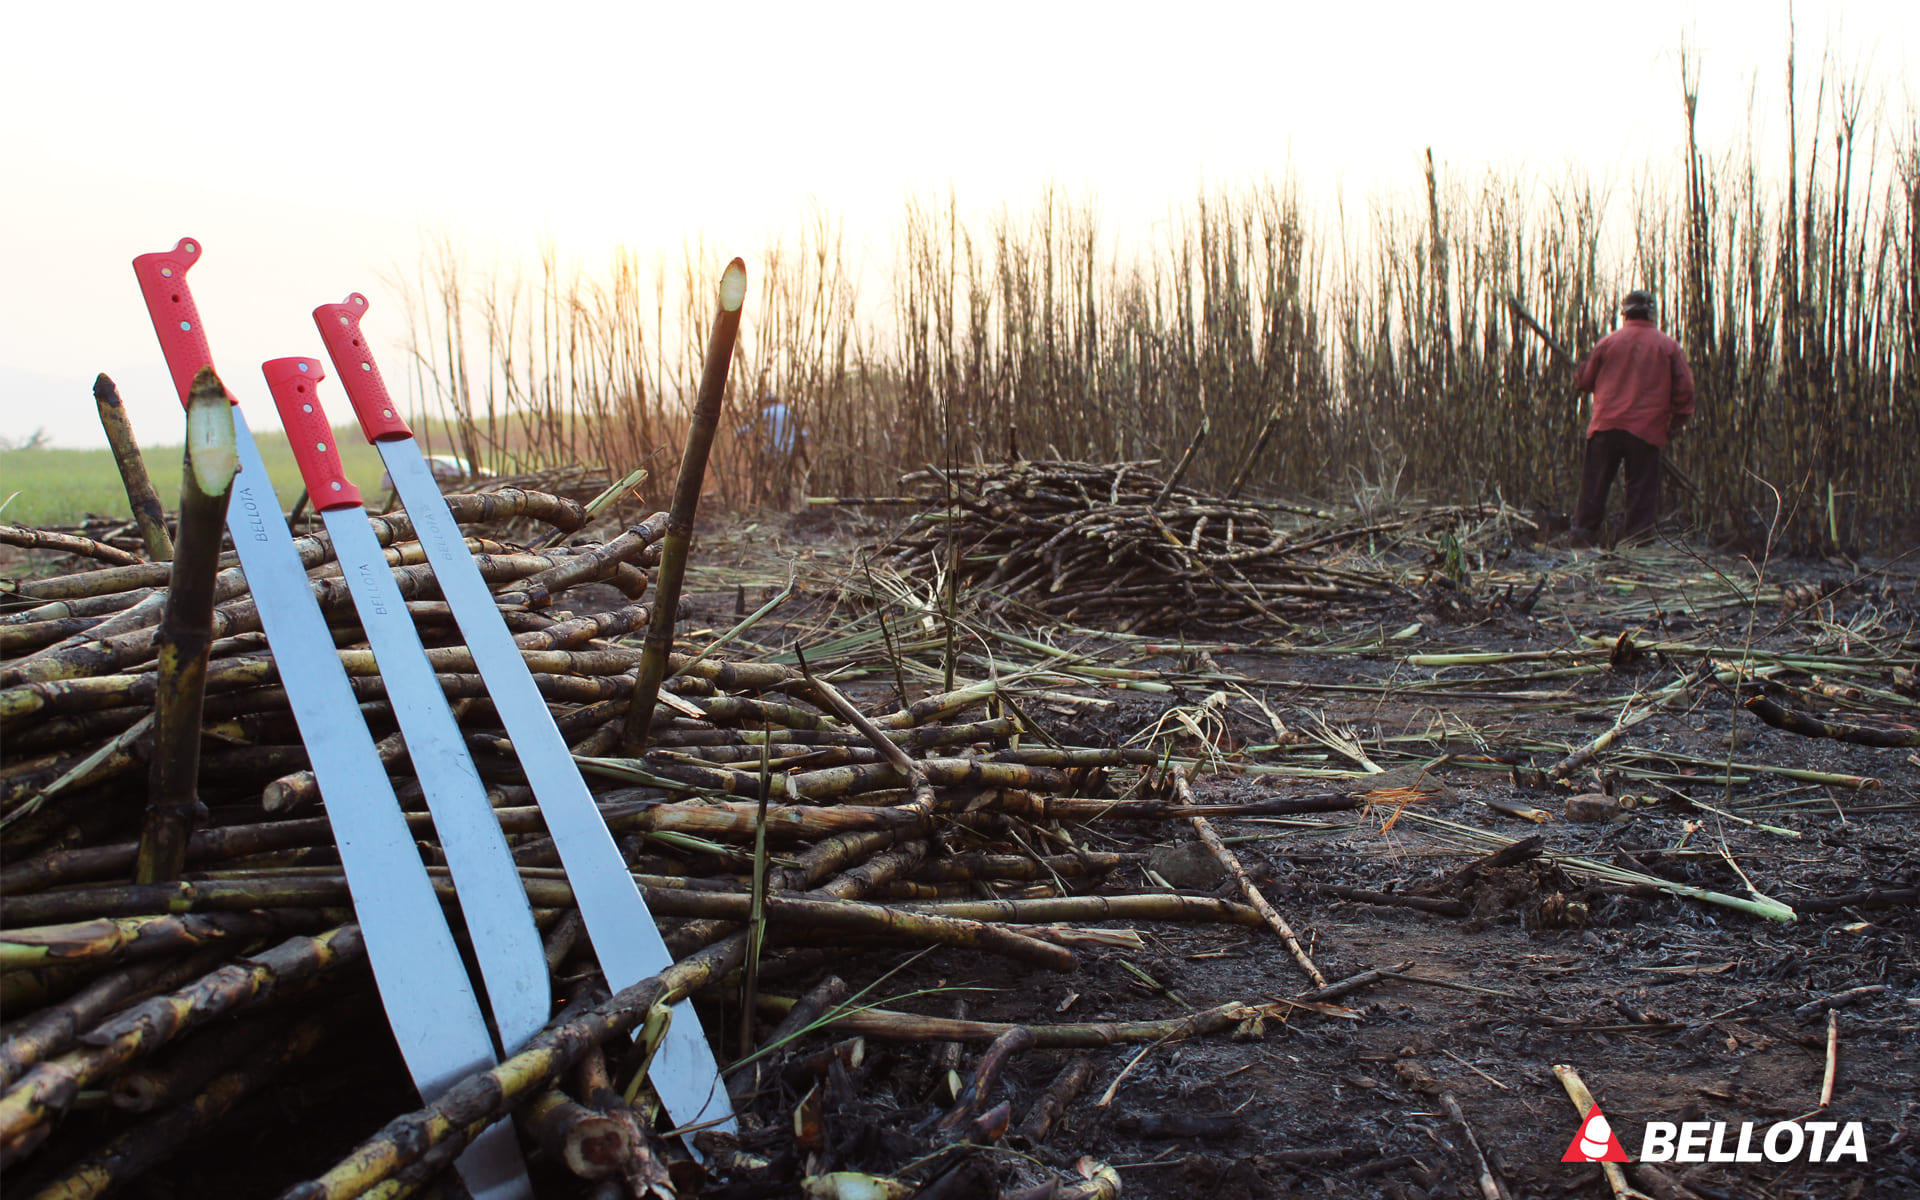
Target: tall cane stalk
686,499
185,635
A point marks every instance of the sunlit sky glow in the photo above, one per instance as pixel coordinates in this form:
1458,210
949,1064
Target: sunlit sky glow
312,146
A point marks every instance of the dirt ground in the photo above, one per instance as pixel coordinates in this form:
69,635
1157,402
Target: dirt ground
1669,1009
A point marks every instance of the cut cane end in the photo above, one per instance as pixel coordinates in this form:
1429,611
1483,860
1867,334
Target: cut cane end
212,452
733,286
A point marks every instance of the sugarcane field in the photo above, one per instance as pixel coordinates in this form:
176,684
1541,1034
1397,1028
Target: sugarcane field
1409,697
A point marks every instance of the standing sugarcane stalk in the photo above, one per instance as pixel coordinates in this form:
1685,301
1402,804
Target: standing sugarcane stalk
686,499
186,631
148,516
1253,455
1186,460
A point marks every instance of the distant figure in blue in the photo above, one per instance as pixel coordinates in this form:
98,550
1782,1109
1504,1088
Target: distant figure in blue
779,452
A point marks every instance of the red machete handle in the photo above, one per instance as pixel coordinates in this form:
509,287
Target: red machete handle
340,330
295,384
163,281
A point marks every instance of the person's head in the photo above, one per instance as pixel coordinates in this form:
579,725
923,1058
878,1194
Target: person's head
768,399
1638,305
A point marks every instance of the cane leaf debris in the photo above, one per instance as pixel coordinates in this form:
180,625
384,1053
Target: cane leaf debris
1064,831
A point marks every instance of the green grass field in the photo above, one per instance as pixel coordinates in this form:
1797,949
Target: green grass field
60,487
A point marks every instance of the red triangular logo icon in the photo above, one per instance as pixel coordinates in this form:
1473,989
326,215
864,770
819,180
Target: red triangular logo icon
1594,1141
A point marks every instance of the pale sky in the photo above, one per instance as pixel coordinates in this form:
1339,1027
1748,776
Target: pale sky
310,146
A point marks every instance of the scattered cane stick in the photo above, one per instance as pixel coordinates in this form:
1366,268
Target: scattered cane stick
1583,1100
1476,1070
746,1074
1833,1058
1781,717
1490,1186
973,1098
55,1029
637,1161
843,708
1663,699
1231,863
133,1153
1808,1011
1069,1083
1352,983
591,1144
66,543
1113,1088
757,921
1586,753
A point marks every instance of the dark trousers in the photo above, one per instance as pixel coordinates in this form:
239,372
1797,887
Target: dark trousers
1606,451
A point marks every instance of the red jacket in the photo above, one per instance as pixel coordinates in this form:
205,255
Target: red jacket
1640,381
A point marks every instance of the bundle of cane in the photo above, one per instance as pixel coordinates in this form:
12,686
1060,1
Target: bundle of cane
1114,545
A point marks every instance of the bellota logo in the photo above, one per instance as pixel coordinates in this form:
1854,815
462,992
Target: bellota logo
1784,1141
1594,1141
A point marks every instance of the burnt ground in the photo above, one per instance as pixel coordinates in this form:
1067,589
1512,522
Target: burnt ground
1669,1009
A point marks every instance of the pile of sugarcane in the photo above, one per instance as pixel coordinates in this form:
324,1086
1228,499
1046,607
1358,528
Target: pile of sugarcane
109,539
1116,546
612,501
78,674
767,813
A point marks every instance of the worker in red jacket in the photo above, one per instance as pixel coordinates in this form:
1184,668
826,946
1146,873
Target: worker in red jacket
1642,393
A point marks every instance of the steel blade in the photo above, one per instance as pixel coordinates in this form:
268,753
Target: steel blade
624,935
492,898
417,968
402,924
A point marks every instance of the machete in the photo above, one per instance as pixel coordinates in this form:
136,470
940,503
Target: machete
422,982
492,899
1526,318
624,936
